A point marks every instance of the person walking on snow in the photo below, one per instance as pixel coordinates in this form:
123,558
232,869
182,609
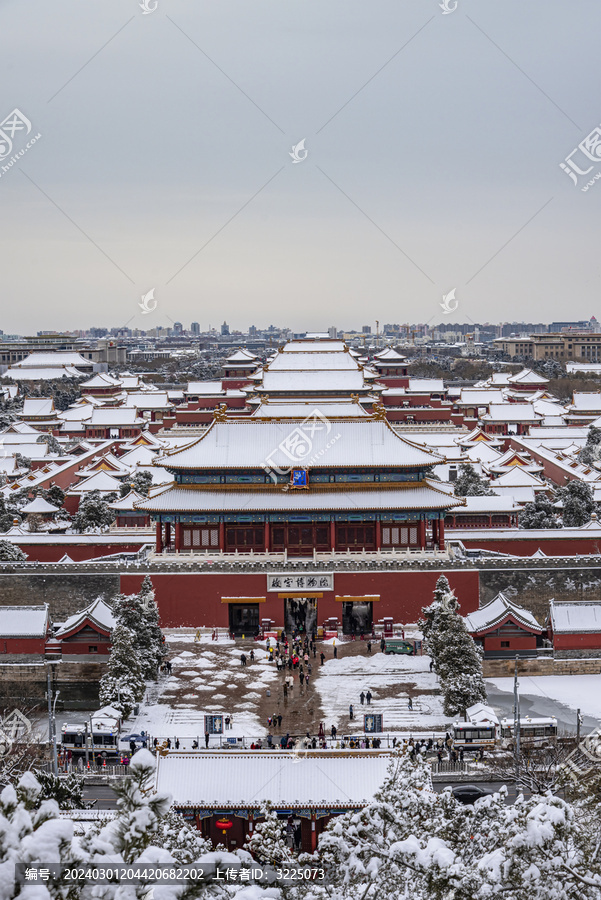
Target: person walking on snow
322,657
410,704
362,698
351,713
368,698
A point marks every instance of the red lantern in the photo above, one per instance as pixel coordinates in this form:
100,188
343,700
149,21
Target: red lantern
224,824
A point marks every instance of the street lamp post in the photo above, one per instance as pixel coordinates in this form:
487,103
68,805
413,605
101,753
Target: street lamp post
52,718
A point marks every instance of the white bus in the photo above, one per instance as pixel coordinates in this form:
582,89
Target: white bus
104,741
474,735
533,732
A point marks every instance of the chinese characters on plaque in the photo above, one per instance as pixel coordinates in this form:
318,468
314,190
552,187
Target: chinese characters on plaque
306,582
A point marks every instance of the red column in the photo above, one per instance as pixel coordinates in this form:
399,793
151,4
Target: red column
421,533
178,537
168,535
159,540
441,534
434,531
378,534
267,546
313,833
332,535
222,535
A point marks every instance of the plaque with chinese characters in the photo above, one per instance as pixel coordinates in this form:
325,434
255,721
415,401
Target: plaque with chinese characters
307,582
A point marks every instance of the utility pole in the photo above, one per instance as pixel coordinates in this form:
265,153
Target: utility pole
516,721
49,695
578,723
86,746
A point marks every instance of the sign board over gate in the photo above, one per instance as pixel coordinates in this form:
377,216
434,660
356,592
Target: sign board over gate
311,581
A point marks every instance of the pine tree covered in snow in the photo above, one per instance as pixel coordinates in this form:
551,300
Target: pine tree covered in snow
122,685
432,624
184,843
268,843
151,643
470,484
9,552
139,613
591,452
456,658
33,833
94,513
66,790
578,504
540,514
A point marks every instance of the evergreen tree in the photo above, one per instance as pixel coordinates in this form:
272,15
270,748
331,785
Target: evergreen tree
139,613
66,790
9,552
578,504
94,513
470,484
268,843
456,658
32,832
142,482
184,843
151,641
591,452
139,813
53,444
122,685
540,514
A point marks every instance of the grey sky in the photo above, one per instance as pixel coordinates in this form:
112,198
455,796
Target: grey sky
150,150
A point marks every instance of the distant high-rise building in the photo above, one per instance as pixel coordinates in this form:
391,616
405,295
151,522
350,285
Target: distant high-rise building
195,328
252,331
366,329
225,328
333,332
178,328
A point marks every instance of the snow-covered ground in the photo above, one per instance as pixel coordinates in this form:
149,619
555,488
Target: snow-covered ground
551,695
203,682
392,680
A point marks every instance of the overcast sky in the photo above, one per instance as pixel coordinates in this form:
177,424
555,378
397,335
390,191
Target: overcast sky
433,143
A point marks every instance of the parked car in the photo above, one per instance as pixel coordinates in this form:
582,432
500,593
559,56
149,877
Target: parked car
469,793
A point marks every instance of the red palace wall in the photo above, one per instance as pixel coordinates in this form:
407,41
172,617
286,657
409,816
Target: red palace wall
23,645
577,641
48,552
493,644
194,599
524,546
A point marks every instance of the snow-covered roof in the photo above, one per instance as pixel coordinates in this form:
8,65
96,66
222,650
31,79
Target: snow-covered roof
251,443
107,416
97,612
23,621
428,496
101,380
575,617
42,359
127,502
319,381
40,506
101,481
586,401
204,388
307,362
484,397
315,346
527,376
149,400
253,779
426,386
480,713
496,611
48,373
488,505
293,409
511,412
33,407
